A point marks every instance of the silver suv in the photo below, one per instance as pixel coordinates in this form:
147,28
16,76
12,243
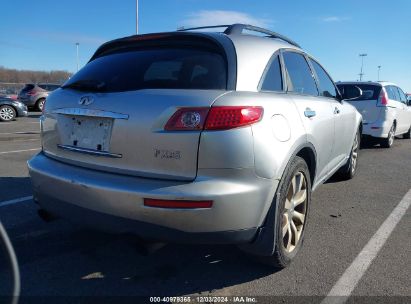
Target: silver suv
194,136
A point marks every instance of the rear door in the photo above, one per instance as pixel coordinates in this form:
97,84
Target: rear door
405,114
111,115
396,104
316,113
344,116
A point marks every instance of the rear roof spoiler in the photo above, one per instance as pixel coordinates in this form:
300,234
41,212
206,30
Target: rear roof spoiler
238,28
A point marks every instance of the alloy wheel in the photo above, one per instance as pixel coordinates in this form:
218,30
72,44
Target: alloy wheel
41,105
6,113
391,136
295,209
354,155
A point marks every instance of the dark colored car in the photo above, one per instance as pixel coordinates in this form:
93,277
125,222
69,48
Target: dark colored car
34,95
10,109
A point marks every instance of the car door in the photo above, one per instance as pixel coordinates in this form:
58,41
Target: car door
316,113
405,111
344,116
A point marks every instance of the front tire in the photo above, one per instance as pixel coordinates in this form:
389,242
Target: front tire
293,200
7,113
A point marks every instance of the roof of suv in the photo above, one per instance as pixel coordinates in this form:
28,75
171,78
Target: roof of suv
377,83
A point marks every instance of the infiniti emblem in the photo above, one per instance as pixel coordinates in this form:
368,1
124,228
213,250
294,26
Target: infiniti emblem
86,100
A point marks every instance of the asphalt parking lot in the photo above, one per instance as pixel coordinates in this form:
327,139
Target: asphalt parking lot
61,259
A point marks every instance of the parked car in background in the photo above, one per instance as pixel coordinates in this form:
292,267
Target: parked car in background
196,137
384,107
34,95
8,93
10,109
409,97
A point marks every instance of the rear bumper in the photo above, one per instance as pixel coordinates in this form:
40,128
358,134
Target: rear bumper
115,202
30,102
148,231
379,129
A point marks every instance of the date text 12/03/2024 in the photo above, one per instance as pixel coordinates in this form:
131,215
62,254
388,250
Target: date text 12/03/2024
204,299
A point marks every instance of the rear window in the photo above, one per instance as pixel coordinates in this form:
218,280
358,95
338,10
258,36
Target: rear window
157,68
49,87
369,92
28,87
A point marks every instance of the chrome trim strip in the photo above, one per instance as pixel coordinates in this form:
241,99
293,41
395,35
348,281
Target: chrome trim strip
90,112
89,151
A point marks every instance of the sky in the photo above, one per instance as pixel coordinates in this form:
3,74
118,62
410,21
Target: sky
42,34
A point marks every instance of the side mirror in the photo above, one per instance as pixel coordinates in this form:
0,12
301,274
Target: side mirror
355,93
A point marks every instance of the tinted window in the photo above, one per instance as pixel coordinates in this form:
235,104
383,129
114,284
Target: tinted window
272,79
165,68
52,87
369,92
28,87
299,76
326,85
403,98
392,93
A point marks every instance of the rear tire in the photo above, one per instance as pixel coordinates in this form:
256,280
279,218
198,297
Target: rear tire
7,113
350,168
389,141
408,134
40,104
293,198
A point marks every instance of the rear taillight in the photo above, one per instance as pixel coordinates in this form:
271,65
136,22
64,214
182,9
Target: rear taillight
187,119
31,93
221,118
215,118
177,204
383,99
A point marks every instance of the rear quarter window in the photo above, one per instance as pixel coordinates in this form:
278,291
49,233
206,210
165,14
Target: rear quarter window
272,79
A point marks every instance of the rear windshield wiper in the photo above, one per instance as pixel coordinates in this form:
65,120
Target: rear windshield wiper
86,85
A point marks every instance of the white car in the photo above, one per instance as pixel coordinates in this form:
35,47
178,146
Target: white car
384,107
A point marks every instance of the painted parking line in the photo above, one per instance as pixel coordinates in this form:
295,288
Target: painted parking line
341,291
31,139
20,122
18,151
15,201
21,133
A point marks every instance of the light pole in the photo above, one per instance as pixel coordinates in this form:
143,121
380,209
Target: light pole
362,65
379,68
77,45
137,17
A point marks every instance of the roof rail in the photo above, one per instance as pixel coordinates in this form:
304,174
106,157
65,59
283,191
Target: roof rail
238,28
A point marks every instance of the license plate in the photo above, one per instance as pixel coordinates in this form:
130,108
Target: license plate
92,133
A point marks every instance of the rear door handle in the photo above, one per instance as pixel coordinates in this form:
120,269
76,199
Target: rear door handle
309,113
336,110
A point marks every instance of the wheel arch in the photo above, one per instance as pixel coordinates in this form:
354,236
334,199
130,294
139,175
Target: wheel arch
309,155
265,238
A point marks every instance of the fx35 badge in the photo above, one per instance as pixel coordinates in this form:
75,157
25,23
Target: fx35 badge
168,154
